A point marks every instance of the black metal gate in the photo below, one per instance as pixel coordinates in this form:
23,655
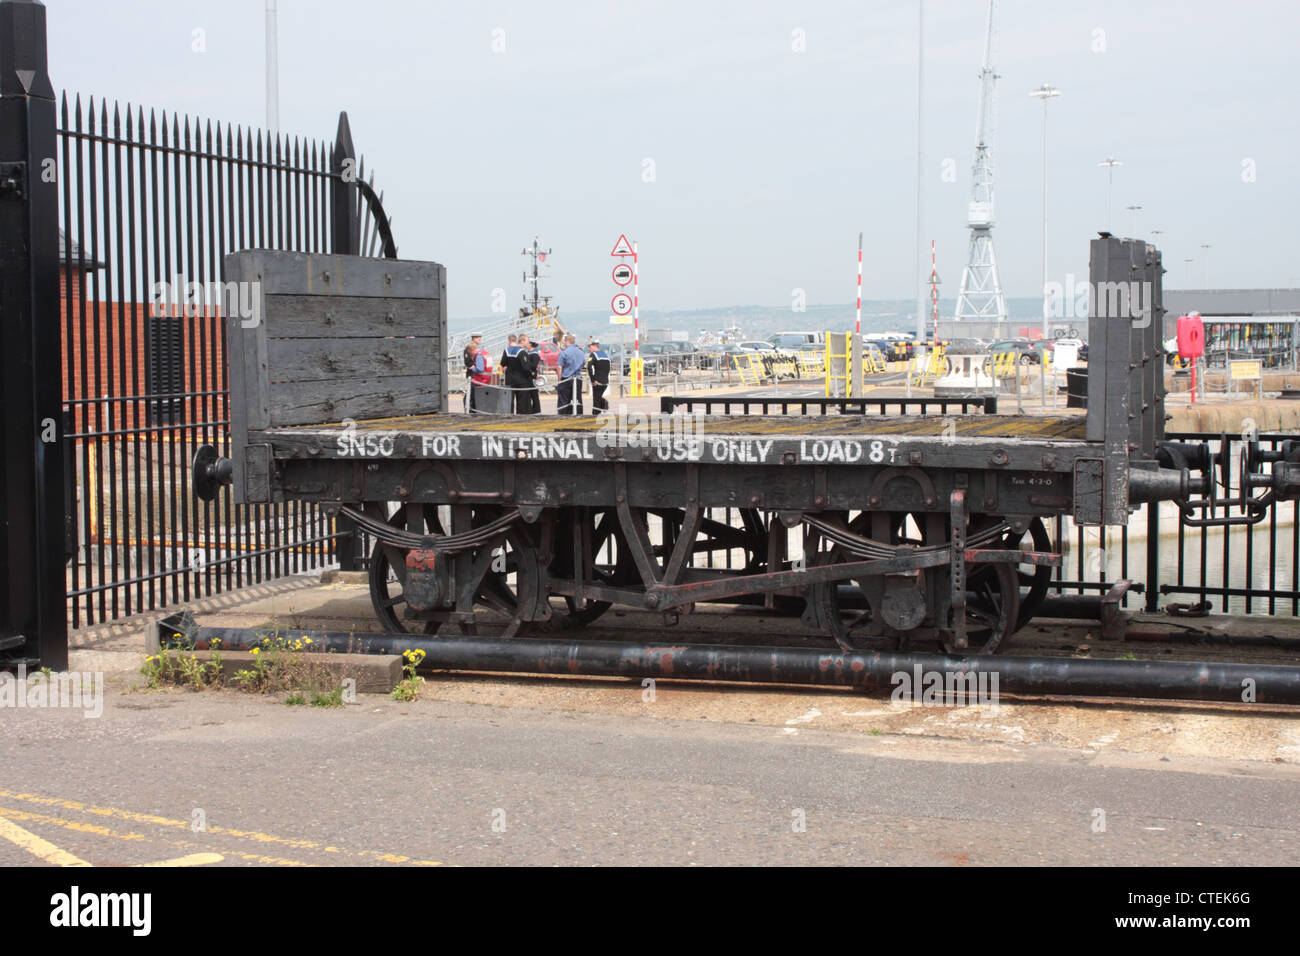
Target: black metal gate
148,204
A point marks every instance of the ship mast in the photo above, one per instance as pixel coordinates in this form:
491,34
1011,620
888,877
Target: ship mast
536,304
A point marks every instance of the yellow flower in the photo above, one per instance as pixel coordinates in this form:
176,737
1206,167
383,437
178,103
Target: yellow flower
257,650
306,639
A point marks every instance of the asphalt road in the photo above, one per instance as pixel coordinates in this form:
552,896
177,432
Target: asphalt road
232,779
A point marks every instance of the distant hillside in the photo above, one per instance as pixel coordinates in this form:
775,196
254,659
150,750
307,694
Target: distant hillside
760,321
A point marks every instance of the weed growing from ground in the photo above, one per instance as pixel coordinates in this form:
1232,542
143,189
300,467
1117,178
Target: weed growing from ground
408,688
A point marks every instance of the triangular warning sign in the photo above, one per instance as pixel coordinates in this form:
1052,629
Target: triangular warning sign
622,247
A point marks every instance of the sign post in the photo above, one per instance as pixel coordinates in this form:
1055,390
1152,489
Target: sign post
622,304
638,367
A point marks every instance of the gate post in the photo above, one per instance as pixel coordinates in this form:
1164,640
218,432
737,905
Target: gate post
33,589
345,240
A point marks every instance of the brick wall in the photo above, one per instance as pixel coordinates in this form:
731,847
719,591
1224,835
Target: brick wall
105,356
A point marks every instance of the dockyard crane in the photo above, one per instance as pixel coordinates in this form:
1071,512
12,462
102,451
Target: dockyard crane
981,297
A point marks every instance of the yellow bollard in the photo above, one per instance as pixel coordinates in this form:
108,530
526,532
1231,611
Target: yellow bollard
636,378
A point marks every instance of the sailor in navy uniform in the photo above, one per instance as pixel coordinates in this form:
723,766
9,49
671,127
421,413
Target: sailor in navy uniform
598,371
528,360
513,375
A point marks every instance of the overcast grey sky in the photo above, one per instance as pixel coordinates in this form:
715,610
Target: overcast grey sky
767,162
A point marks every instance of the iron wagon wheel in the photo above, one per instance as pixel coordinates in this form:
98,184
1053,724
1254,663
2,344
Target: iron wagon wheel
990,588
842,606
992,595
1035,578
601,527
992,609
716,539
508,583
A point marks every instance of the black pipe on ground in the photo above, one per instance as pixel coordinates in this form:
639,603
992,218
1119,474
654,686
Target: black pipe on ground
867,670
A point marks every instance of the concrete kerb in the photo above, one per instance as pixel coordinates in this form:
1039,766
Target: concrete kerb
330,600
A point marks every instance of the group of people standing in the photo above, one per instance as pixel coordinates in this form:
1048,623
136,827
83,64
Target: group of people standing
521,362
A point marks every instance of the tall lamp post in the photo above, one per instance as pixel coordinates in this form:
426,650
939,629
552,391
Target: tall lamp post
1045,93
920,172
1134,210
1206,247
272,69
1110,162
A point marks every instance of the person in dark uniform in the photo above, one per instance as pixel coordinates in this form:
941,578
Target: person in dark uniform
598,371
513,376
475,343
529,359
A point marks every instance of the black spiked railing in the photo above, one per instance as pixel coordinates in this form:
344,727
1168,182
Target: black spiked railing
150,204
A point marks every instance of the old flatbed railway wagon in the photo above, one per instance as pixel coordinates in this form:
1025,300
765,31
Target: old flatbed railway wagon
885,528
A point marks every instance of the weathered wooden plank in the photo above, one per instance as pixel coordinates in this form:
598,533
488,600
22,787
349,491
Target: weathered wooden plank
1016,428
245,353
443,340
307,403
306,360
320,316
298,273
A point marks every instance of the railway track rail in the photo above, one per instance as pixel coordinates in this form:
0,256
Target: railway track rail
1056,659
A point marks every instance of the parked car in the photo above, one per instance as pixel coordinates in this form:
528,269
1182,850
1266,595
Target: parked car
893,350
1028,353
756,346
621,359
723,348
794,342
678,355
965,346
667,357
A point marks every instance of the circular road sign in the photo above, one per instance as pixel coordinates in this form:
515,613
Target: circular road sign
621,304
622,274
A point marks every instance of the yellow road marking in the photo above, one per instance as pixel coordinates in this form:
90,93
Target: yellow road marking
194,859
41,849
91,828
253,835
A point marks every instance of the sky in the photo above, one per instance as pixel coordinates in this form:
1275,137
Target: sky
744,145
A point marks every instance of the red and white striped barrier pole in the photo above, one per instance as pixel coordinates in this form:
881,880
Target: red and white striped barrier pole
636,311
857,326
934,292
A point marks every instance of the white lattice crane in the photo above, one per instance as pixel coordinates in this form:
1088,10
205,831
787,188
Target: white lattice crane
981,297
